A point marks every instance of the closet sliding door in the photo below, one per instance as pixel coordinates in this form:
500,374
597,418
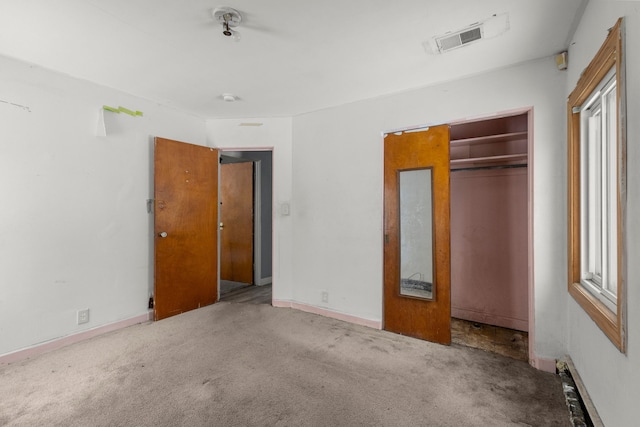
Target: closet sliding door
416,234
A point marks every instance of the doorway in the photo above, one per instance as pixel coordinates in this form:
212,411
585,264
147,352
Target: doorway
490,234
257,286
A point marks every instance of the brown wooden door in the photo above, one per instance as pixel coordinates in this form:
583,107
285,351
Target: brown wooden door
409,314
236,215
186,219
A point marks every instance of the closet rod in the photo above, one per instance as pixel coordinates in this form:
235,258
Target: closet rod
489,167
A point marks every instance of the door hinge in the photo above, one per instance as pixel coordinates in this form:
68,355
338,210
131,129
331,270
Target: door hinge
150,205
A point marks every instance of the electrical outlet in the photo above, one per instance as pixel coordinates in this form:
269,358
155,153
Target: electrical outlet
325,296
83,316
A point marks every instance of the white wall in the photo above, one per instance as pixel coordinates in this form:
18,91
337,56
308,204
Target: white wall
74,230
76,234
275,134
612,379
338,189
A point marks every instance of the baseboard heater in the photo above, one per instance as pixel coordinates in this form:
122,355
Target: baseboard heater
582,412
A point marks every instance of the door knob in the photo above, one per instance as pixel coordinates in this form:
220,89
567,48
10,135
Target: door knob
221,226
163,234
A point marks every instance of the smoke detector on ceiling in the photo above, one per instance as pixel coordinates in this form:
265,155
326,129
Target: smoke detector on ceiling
229,97
489,28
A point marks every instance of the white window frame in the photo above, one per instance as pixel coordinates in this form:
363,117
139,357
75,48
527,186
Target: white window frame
598,189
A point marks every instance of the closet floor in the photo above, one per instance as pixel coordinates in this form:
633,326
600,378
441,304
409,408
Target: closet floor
503,341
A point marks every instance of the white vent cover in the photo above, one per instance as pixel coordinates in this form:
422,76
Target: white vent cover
451,42
489,28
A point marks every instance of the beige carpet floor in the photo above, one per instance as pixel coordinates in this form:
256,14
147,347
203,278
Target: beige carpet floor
254,365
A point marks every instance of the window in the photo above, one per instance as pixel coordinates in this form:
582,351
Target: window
598,192
596,136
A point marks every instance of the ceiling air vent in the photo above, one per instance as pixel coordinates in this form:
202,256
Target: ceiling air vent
489,28
453,41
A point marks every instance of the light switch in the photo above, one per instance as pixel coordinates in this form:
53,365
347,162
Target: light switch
284,209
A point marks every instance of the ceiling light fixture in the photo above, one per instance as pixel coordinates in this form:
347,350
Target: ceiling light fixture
229,18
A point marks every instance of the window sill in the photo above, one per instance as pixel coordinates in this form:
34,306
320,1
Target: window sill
608,321
600,294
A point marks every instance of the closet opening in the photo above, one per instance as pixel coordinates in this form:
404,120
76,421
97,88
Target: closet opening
490,233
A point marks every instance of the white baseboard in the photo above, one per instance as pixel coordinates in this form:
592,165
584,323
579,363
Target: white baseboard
375,324
71,339
584,394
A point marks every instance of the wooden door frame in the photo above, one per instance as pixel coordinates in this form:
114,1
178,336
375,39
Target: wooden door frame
535,361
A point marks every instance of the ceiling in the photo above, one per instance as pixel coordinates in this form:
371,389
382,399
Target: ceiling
294,56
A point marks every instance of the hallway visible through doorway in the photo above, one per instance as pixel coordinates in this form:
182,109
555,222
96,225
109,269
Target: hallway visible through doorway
244,293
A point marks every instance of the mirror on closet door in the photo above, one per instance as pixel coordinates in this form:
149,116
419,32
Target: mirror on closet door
416,233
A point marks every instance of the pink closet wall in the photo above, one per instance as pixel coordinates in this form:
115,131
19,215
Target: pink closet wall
489,247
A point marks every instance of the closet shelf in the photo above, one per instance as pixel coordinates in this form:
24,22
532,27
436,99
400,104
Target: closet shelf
490,159
489,139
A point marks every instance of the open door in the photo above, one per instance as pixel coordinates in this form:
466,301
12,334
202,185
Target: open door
236,217
417,298
186,227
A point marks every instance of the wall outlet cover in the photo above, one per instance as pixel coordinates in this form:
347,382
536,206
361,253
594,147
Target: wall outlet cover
83,316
